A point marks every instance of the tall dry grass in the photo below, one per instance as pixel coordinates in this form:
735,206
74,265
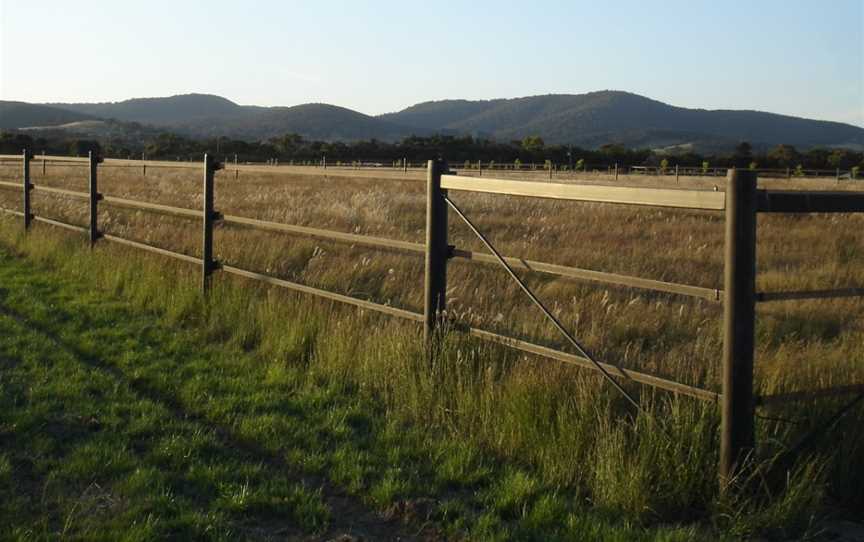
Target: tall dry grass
563,422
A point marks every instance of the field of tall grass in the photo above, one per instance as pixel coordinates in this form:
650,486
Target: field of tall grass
558,435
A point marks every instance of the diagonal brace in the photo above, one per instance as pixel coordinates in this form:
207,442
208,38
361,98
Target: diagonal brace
541,306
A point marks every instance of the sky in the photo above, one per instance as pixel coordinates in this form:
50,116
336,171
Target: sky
795,57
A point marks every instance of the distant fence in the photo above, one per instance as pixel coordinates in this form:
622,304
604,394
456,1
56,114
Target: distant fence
478,167
741,202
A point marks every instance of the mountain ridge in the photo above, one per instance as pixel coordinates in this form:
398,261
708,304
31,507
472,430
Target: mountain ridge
588,120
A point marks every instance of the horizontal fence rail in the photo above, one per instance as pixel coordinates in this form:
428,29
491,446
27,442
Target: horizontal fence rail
350,238
657,197
795,201
150,248
163,209
810,294
710,294
362,303
614,370
788,397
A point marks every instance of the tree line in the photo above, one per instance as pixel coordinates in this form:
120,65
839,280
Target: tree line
456,149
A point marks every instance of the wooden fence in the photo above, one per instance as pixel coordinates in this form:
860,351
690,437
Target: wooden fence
741,202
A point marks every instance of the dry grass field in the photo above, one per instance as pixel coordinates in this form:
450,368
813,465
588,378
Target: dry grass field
667,334
532,416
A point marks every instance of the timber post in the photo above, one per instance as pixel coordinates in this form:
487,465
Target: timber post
94,196
436,248
25,173
739,319
208,265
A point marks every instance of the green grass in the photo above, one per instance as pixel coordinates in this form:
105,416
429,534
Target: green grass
132,408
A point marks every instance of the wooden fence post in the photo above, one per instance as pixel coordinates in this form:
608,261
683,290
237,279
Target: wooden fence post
208,265
616,171
677,179
436,247
28,215
43,162
739,316
95,196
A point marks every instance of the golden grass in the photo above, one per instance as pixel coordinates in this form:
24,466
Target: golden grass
664,334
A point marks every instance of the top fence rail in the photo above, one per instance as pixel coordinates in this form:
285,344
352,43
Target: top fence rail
657,197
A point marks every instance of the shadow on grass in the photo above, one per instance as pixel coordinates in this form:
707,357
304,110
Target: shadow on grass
348,514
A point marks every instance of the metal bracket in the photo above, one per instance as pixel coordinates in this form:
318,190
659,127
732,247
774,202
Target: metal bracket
218,216
218,165
99,197
451,251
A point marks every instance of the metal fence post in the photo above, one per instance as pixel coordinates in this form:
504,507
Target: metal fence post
28,215
208,265
739,318
95,196
436,247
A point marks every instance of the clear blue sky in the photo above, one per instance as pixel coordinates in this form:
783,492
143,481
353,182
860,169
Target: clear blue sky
798,57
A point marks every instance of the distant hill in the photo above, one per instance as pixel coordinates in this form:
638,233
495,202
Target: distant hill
312,121
205,115
596,118
586,120
22,114
170,111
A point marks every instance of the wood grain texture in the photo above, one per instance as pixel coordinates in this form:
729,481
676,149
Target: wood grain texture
657,197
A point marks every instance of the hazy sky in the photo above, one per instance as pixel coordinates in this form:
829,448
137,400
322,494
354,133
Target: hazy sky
798,57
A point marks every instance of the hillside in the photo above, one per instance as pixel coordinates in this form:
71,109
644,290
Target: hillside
586,120
610,116
312,121
22,115
170,111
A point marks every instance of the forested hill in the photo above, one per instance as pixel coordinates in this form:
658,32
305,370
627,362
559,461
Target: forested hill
596,118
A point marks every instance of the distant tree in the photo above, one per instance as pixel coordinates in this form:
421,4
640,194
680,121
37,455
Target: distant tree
743,154
81,147
784,155
744,149
799,170
533,143
705,167
841,158
754,165
580,164
664,165
14,143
